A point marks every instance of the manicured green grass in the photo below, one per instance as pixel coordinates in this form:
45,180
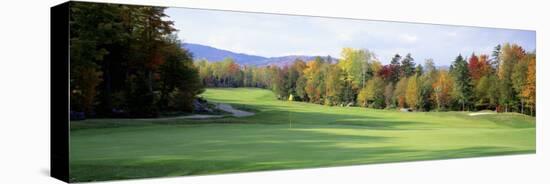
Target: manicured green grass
105,149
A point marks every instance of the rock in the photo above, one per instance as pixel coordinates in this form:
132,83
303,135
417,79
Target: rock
200,105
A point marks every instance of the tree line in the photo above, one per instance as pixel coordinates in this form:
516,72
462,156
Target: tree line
504,81
127,61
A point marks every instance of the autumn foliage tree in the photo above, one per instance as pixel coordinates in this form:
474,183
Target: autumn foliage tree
510,55
315,83
401,92
333,86
443,88
474,67
122,56
413,92
358,78
372,95
530,89
486,92
85,78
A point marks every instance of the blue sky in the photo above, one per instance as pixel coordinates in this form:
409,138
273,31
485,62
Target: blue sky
271,35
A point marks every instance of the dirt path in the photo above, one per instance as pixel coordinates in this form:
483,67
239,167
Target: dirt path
236,112
194,116
223,107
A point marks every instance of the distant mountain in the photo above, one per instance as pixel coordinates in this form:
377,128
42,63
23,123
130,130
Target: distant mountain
214,54
442,67
288,60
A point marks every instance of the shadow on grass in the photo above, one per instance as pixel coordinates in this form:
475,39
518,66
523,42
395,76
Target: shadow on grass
274,116
229,157
143,168
363,121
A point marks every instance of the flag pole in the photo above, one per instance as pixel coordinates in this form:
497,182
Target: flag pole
290,98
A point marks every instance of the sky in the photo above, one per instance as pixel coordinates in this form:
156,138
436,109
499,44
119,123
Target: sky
271,35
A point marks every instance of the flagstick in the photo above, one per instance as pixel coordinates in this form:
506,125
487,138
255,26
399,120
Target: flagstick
289,119
290,99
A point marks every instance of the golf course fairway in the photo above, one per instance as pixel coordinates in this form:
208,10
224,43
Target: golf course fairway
286,135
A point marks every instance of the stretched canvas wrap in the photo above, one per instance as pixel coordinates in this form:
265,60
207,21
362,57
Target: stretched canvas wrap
143,91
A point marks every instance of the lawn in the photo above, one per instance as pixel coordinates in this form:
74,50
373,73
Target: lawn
105,149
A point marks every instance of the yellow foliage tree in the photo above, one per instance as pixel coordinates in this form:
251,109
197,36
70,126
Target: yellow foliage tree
413,92
314,79
443,87
400,92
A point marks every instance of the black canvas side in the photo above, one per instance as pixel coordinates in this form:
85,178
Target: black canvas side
59,84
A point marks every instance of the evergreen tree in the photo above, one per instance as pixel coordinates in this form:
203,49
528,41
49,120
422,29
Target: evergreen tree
407,66
395,69
419,70
495,61
463,82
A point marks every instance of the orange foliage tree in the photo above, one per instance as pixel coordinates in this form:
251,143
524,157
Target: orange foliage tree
529,91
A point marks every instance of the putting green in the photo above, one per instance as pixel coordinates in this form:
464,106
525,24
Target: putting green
105,149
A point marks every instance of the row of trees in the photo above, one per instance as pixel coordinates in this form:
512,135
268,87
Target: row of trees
127,60
504,81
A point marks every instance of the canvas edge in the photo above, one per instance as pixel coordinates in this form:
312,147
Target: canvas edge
59,91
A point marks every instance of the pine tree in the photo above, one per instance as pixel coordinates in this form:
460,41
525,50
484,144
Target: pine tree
395,69
407,66
463,82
